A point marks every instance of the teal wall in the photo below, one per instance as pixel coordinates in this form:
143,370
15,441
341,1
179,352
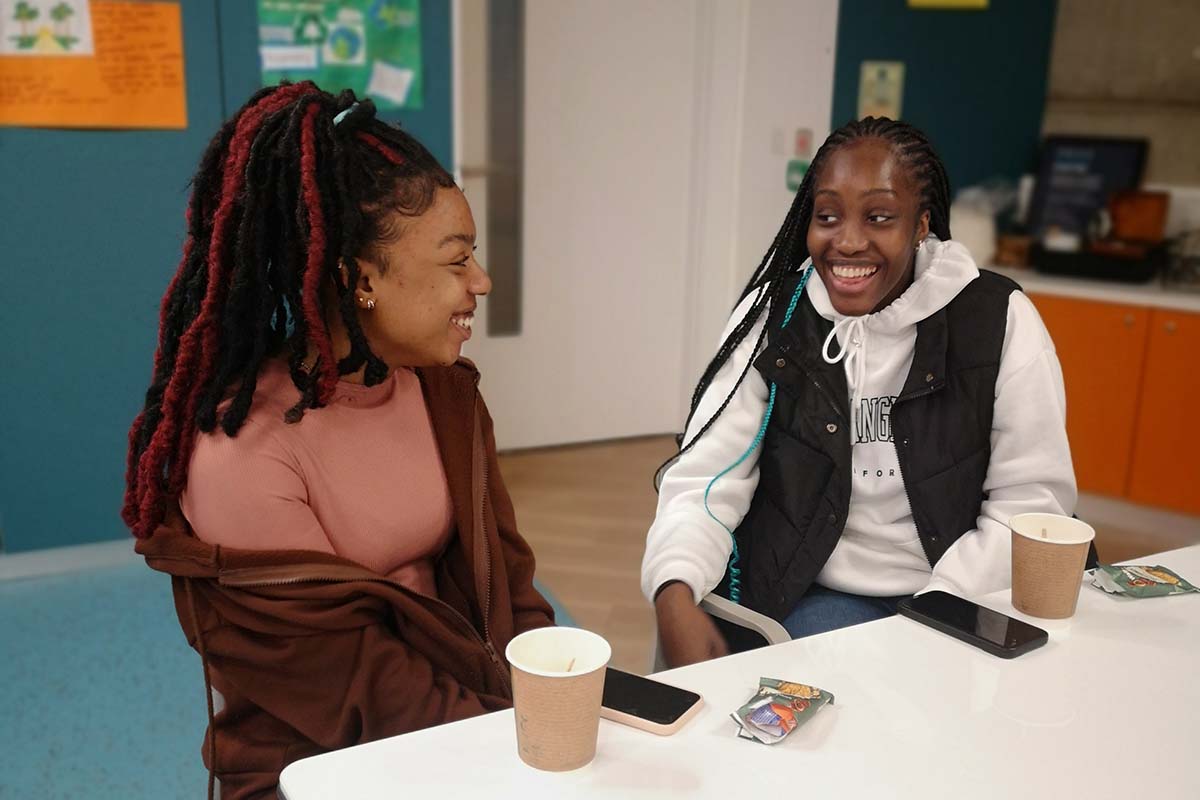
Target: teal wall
91,224
975,81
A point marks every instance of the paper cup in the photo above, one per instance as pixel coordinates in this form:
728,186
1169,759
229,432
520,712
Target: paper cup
1048,555
558,682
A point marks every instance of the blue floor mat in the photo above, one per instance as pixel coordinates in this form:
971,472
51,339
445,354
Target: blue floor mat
100,696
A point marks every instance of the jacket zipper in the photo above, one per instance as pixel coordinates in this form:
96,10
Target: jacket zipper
487,553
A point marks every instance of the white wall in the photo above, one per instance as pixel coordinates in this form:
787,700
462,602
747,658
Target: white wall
607,149
657,137
782,54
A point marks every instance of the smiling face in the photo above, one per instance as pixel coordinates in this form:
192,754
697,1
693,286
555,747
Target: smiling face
866,224
424,283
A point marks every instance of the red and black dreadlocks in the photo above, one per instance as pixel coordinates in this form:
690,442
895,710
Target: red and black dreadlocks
283,196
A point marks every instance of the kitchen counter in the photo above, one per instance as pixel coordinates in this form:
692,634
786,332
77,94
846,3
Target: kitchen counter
1151,295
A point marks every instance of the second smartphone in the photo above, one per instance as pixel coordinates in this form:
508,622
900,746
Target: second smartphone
646,703
990,631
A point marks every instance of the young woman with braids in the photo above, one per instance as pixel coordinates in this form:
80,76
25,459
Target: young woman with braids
314,465
878,409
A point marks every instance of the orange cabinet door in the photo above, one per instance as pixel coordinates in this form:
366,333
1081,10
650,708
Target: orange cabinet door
1167,444
1101,347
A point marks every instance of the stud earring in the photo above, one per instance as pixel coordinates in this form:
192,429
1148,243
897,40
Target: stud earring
371,305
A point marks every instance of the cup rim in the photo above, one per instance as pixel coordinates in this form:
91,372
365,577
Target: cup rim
1082,538
515,664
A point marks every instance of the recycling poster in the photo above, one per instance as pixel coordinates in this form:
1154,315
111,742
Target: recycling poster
370,46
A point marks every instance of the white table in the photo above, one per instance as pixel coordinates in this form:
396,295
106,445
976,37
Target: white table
1110,706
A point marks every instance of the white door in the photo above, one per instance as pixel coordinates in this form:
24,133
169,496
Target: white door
632,202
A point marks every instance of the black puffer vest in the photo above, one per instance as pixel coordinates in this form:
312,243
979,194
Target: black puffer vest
941,424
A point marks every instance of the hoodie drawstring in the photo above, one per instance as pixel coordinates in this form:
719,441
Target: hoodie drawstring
854,351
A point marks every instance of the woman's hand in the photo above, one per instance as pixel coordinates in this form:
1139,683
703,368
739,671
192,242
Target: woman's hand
686,633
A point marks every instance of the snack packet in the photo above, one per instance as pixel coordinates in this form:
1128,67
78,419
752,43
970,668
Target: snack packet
1140,581
777,709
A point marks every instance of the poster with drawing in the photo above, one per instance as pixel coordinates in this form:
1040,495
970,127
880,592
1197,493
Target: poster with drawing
103,64
370,46
45,28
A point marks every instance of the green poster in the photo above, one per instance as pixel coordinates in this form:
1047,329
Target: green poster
370,46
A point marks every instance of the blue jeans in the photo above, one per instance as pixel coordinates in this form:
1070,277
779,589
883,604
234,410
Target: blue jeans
822,610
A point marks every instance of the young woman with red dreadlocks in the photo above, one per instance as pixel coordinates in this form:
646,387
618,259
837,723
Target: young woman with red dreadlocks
878,410
314,465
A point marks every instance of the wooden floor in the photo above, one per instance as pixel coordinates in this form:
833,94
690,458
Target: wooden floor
585,511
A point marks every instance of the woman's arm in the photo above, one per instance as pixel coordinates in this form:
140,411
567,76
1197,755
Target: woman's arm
684,543
1030,467
687,551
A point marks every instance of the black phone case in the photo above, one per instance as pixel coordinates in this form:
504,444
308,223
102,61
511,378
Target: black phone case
983,644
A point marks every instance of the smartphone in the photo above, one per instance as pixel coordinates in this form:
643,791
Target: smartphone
647,704
989,630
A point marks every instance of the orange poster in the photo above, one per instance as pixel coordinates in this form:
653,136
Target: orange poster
132,78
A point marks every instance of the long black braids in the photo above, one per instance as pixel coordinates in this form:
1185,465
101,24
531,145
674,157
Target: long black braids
789,250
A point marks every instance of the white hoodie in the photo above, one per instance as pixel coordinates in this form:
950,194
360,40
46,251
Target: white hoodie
879,553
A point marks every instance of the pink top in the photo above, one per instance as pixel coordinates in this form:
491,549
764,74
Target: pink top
361,478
